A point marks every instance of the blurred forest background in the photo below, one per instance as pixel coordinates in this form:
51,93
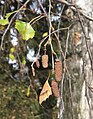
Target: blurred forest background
65,28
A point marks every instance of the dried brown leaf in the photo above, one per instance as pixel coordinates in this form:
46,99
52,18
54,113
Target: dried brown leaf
45,93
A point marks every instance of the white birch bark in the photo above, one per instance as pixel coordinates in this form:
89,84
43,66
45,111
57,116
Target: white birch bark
86,78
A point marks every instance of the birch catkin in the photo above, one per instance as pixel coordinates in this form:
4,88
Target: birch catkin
58,70
37,63
55,89
45,61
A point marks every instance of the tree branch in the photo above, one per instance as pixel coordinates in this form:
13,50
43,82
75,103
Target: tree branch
73,7
87,47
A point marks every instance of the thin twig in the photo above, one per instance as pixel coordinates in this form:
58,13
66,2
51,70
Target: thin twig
42,7
10,75
60,100
73,7
65,2
60,18
50,40
67,43
37,19
38,53
70,89
88,49
20,3
88,99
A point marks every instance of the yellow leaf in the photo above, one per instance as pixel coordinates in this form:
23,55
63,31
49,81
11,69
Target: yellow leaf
28,91
45,34
23,61
13,117
45,93
12,50
1,27
11,56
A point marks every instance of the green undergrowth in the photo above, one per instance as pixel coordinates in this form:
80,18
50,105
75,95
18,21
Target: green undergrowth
14,103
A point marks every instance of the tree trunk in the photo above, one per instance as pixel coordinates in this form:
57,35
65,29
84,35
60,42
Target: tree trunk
78,88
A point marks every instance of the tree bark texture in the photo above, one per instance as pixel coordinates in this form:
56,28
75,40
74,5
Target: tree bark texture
78,90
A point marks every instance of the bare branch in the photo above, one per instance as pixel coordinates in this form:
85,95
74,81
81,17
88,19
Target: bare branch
88,49
73,7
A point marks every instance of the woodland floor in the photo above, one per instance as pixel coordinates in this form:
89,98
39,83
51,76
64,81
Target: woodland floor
14,103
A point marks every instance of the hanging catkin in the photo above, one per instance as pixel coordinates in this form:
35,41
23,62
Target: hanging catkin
58,70
37,63
76,38
55,89
45,59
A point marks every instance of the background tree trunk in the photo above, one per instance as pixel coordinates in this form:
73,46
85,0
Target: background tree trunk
79,95
75,43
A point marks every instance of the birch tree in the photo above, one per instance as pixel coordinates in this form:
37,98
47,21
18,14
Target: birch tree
49,45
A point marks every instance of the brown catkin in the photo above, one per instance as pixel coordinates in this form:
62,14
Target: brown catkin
45,61
37,63
76,38
58,70
55,89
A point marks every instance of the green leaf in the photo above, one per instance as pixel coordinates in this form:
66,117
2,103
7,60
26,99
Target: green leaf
4,21
25,29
